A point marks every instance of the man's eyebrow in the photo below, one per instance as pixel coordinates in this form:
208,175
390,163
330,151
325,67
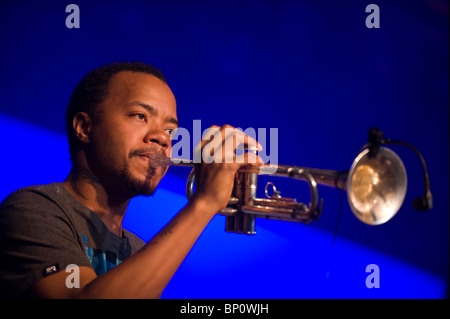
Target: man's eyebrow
153,111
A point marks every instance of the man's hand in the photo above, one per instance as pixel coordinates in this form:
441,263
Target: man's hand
215,175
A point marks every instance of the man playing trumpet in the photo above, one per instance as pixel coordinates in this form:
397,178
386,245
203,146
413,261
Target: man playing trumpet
119,118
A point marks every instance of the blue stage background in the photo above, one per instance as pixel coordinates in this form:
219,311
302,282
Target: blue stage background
311,69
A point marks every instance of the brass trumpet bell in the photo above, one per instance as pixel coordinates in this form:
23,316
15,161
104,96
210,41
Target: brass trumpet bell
376,186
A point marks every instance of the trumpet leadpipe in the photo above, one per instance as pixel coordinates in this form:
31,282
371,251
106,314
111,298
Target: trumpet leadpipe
326,177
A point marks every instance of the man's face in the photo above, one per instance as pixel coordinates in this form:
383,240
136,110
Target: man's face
134,121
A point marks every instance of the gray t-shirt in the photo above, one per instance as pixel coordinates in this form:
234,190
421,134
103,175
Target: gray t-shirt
43,229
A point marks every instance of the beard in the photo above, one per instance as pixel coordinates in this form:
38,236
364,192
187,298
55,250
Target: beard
132,175
138,186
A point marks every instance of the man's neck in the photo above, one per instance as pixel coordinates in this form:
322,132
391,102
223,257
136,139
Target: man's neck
88,190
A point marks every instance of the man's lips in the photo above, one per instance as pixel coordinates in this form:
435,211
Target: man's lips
144,158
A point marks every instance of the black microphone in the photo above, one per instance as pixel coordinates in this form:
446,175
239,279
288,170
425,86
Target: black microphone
376,139
423,203
426,201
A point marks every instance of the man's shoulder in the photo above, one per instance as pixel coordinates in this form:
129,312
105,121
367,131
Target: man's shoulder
37,189
32,193
43,200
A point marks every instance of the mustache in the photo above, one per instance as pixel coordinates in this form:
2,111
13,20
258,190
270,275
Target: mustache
149,150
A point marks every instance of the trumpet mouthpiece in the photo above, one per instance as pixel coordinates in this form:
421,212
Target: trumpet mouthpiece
156,160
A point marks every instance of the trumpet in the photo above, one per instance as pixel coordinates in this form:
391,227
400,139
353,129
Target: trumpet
376,186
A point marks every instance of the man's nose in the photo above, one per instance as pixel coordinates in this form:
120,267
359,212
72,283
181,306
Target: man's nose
158,136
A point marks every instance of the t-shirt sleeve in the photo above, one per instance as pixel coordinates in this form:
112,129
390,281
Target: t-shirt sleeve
36,240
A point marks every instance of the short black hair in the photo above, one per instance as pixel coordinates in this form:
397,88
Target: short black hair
93,89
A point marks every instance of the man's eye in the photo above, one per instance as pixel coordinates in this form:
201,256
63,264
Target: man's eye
140,116
171,131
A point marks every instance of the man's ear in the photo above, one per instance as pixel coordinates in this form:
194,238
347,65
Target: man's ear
82,126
